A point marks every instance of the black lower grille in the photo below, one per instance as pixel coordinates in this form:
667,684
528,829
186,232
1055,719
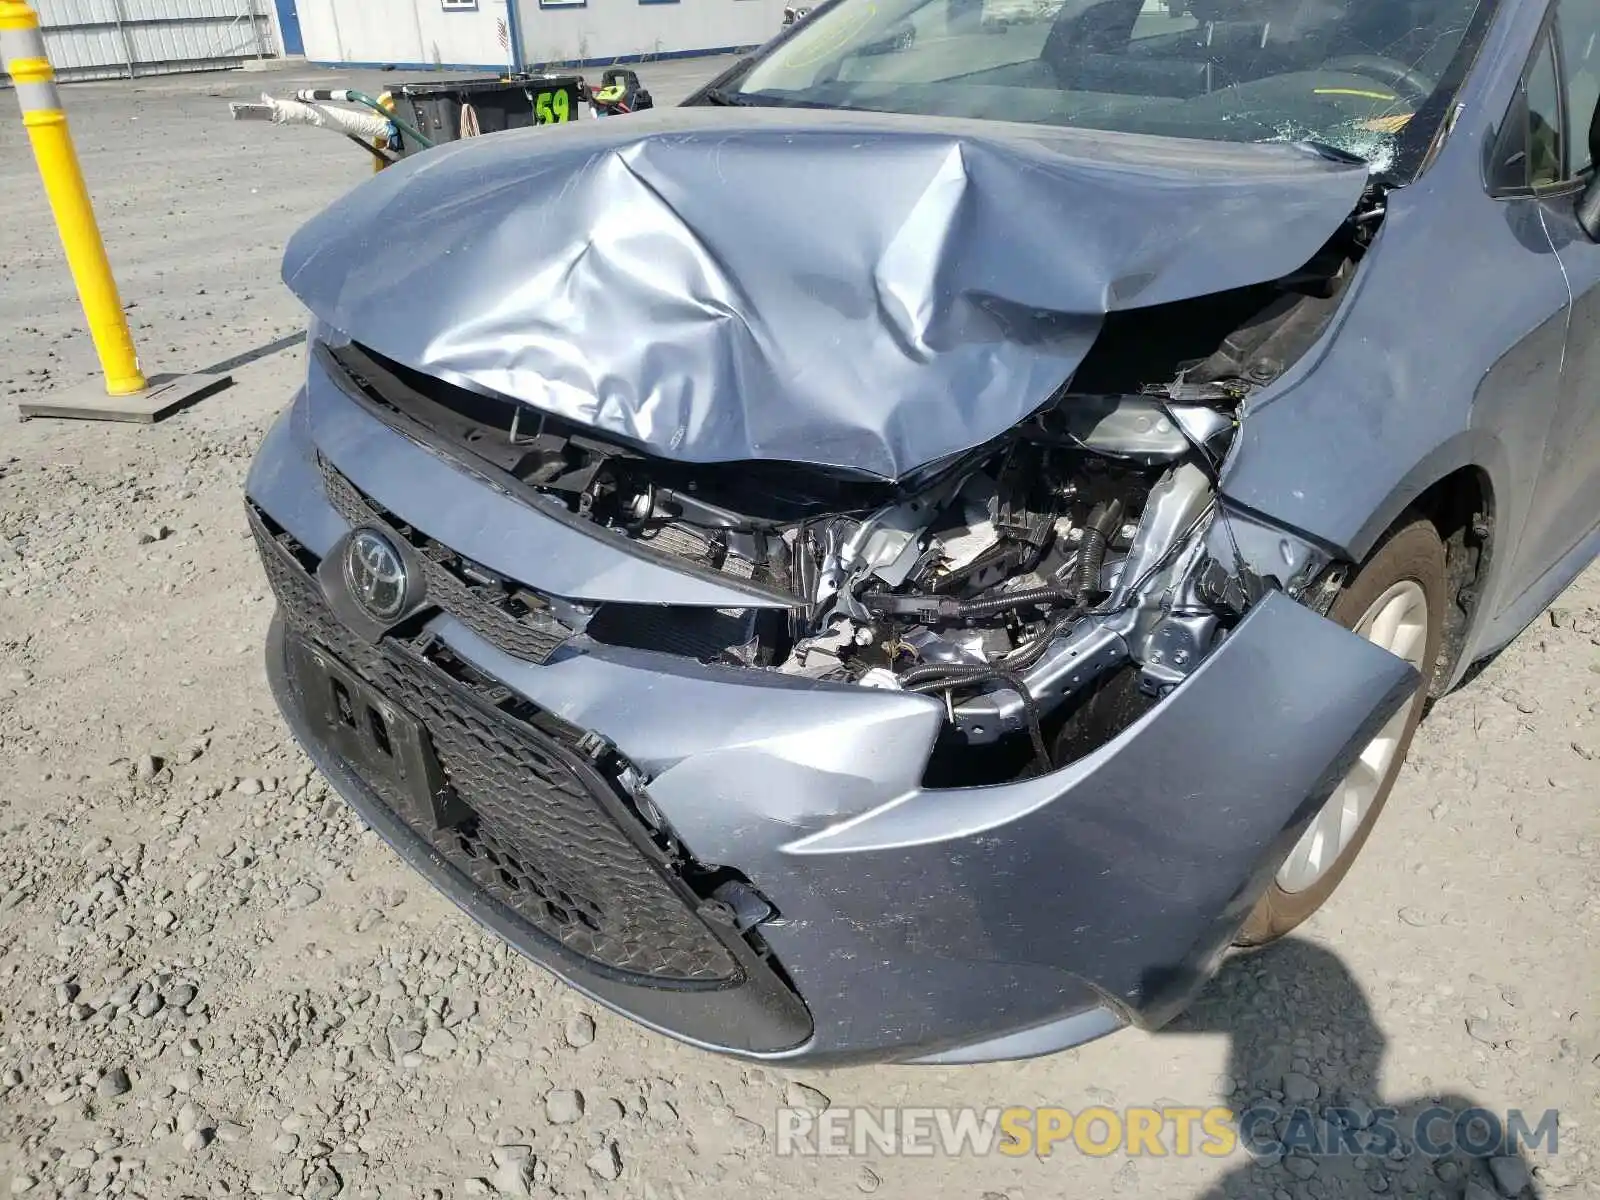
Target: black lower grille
545,838
290,572
545,833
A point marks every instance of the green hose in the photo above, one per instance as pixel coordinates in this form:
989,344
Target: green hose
413,134
348,96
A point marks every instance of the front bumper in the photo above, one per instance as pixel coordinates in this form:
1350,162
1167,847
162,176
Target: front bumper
916,925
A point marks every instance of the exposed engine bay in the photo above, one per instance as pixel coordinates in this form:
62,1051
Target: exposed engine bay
1007,583
979,587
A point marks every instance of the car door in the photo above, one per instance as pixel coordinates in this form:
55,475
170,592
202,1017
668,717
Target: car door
1563,89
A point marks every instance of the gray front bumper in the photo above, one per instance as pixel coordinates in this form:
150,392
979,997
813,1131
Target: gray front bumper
947,925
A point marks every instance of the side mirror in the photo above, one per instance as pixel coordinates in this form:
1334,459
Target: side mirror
1589,203
1589,208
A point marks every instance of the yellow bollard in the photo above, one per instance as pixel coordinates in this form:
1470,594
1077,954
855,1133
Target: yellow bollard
22,49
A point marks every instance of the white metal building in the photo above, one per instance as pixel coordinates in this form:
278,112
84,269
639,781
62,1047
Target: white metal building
107,39
495,33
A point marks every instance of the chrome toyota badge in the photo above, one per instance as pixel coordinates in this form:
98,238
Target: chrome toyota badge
375,574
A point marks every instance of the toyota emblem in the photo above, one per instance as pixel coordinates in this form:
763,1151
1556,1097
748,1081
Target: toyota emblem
375,574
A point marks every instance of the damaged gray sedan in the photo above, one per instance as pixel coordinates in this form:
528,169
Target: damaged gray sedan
916,553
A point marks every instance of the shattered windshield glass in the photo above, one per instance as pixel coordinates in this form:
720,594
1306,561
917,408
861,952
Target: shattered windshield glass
1350,74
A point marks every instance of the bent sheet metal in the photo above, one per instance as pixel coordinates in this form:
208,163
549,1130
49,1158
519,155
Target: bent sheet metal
860,291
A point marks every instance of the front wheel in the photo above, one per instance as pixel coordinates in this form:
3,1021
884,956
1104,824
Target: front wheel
1397,601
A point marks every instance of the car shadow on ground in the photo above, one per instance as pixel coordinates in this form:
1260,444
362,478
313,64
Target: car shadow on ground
1304,1061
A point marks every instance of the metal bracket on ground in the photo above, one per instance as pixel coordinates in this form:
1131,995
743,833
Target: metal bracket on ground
166,394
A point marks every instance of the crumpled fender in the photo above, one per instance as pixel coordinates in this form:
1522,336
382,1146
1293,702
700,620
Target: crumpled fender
1148,853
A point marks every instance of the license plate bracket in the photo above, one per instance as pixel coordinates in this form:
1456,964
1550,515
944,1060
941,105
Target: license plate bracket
383,743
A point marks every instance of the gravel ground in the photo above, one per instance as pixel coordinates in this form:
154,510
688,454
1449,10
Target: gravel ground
214,982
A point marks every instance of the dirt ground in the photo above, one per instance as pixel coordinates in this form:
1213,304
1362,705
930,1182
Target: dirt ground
214,982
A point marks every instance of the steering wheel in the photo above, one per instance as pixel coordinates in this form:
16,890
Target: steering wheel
1408,81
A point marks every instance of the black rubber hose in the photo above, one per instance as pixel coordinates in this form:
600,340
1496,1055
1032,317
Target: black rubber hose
956,677
1018,662
1023,659
1030,710
931,608
936,677
1091,558
1097,531
1053,594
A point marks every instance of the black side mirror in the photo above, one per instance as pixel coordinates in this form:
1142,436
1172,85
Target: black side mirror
1589,203
1589,208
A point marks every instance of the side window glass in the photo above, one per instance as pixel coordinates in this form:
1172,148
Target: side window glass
1527,151
1546,164
1580,54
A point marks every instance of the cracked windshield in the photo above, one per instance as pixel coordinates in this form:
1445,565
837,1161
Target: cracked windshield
1350,74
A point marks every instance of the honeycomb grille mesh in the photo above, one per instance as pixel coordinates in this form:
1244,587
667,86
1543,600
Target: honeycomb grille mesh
547,834
532,637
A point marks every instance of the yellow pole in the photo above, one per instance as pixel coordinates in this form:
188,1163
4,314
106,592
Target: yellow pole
382,143
22,49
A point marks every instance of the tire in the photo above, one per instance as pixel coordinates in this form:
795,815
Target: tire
1412,553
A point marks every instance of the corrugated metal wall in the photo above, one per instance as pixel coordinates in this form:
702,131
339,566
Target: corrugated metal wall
122,39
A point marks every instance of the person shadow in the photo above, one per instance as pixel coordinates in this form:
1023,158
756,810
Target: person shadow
1303,1078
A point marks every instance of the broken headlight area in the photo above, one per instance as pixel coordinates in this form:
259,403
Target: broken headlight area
1020,587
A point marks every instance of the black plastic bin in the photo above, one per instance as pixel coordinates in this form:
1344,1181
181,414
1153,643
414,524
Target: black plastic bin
506,102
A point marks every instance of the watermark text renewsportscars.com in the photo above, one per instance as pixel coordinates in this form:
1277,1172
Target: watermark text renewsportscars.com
1177,1131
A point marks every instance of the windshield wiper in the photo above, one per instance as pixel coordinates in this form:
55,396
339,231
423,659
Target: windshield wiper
729,99
761,100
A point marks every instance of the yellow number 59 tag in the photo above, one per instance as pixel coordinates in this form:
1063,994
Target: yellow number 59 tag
552,108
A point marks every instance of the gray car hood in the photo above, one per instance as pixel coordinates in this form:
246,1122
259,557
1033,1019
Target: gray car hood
863,291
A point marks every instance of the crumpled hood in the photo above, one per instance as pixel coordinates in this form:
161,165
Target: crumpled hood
864,291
